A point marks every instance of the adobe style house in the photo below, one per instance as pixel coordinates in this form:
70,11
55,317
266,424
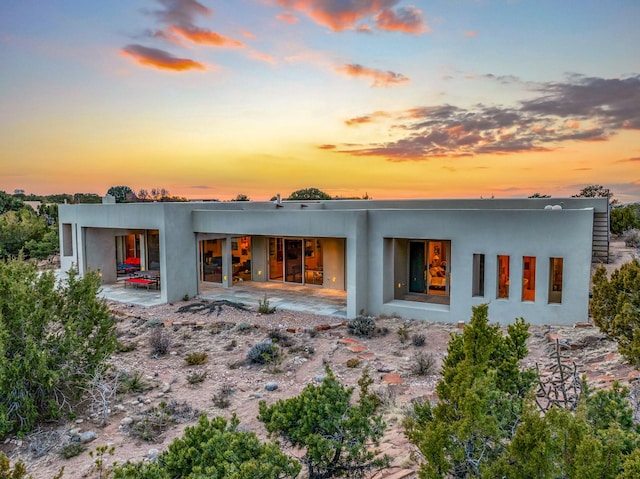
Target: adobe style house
419,259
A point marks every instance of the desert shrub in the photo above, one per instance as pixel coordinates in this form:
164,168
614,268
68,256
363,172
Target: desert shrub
70,450
215,449
53,338
264,352
222,398
231,345
632,238
123,347
159,341
403,333
337,444
263,306
243,327
353,362
158,419
283,338
196,377
362,326
194,359
615,307
418,340
132,382
423,364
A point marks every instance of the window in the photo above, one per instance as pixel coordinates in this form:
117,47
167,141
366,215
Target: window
67,240
529,278
503,277
555,280
478,275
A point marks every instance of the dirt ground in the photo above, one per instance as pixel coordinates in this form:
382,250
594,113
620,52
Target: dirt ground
308,343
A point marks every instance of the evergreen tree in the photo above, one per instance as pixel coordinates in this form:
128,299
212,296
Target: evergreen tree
480,400
336,435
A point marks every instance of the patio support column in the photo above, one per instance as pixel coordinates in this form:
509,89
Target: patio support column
357,266
227,265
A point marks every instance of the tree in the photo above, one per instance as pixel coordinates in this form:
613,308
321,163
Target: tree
121,193
539,195
86,198
335,434
309,194
615,307
26,231
9,203
215,449
624,218
241,197
480,400
53,337
596,191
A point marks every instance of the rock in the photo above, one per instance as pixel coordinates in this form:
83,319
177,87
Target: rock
319,378
160,394
166,387
271,386
88,436
152,454
119,407
79,421
126,421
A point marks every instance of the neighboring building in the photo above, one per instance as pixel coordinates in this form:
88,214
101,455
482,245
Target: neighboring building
419,259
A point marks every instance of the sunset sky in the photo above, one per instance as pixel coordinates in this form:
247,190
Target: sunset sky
394,98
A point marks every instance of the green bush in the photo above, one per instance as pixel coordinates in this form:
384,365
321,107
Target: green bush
615,307
263,306
215,449
264,352
334,433
195,359
53,338
363,326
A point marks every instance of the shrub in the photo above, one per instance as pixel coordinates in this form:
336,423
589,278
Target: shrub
264,352
418,340
196,377
195,359
159,341
123,347
282,338
53,338
615,307
423,364
336,444
231,345
353,362
158,419
403,333
632,238
363,326
70,450
215,449
132,383
222,399
263,306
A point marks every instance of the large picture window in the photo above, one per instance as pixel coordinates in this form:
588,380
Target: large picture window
478,275
429,268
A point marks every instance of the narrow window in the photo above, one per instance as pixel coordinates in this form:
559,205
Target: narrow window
67,240
478,275
555,280
503,276
529,278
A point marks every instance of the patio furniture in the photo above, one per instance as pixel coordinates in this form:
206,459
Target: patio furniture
137,282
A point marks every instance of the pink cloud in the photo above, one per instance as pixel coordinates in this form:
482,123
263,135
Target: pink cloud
347,14
204,36
288,17
379,78
265,57
472,33
153,57
405,19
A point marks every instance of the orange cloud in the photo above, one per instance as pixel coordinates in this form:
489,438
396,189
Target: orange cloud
154,57
405,19
204,36
361,120
472,33
327,147
287,17
378,78
346,15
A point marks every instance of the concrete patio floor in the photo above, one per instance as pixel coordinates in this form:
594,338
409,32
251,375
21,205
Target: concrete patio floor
308,299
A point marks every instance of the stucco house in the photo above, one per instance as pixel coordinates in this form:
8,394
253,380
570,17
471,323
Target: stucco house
419,259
